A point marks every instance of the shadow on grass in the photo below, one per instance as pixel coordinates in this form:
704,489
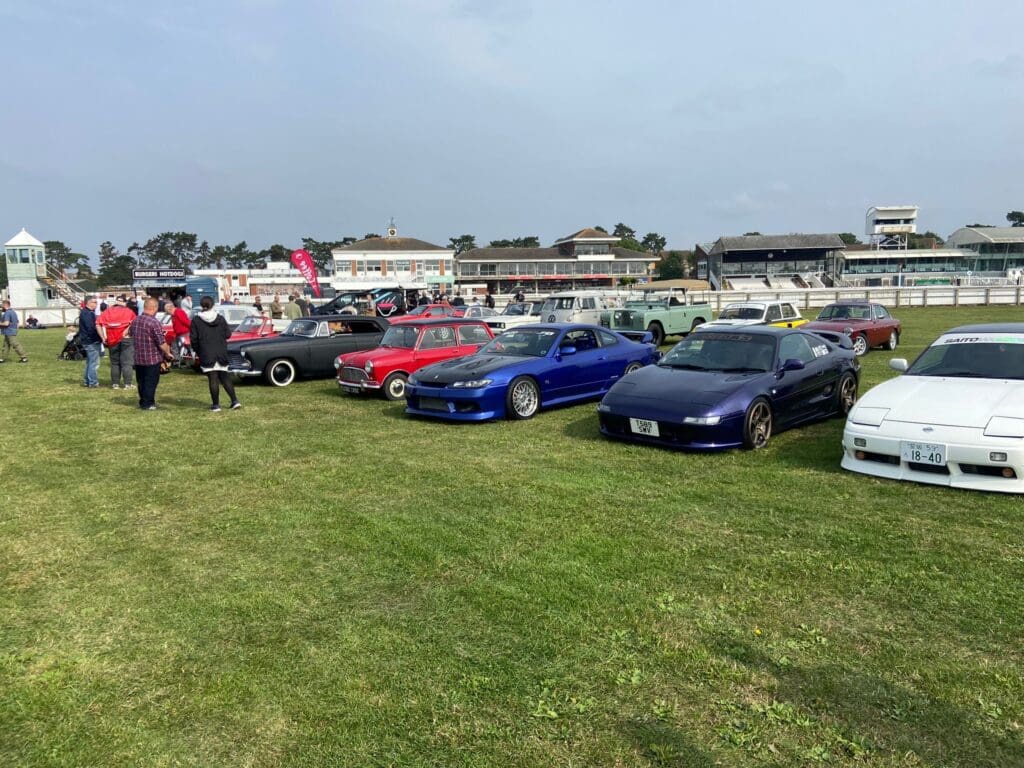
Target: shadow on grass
584,427
890,717
664,744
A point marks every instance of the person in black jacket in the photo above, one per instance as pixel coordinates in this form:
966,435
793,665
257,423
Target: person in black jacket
209,336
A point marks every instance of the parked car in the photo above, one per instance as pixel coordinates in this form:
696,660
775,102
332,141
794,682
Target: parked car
404,349
866,323
781,313
577,306
234,314
307,348
424,311
725,388
662,313
955,417
525,369
258,327
476,311
516,313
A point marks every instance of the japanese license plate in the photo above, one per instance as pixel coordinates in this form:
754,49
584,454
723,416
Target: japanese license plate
433,404
644,427
923,453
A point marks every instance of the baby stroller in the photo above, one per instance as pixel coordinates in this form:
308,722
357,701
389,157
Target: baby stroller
73,349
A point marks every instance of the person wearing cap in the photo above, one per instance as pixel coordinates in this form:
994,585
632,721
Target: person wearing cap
112,326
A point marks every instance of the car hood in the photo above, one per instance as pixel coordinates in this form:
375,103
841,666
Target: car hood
235,346
379,356
675,392
475,366
731,323
945,401
833,325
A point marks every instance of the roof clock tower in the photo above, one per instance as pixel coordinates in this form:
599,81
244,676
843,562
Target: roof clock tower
392,229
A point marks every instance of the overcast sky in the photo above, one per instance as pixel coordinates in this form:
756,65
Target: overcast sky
265,121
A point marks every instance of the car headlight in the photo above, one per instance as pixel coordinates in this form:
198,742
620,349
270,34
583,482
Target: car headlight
243,353
870,417
1004,426
703,421
338,362
848,331
602,408
472,383
368,367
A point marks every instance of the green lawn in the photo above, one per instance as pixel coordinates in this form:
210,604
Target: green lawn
317,580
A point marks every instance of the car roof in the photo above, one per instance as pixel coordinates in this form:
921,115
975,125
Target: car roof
987,328
760,330
429,321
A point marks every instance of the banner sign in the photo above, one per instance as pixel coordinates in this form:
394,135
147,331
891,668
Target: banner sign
303,262
159,274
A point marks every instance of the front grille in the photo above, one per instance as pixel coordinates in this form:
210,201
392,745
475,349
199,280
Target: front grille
235,360
881,458
354,375
625,318
930,468
669,433
438,384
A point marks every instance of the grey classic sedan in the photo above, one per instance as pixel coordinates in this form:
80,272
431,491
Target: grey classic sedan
306,349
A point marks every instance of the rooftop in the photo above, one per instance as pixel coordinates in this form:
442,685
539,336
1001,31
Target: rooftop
396,244
777,242
23,238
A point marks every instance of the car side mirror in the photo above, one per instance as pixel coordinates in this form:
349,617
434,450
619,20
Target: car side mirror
898,364
792,364
567,350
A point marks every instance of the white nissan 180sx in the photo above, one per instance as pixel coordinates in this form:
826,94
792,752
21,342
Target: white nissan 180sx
955,417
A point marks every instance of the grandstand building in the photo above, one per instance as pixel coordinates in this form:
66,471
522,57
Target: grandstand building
756,262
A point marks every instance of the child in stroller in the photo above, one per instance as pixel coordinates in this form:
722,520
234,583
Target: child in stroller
73,349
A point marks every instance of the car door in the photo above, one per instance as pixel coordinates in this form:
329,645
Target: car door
351,334
773,314
436,343
799,394
582,370
881,325
613,360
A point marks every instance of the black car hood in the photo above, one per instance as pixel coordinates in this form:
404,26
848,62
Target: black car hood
472,367
237,346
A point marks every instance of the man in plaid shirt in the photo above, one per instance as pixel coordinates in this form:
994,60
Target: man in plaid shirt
151,349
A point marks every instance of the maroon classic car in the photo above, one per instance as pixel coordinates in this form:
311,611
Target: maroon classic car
407,347
867,324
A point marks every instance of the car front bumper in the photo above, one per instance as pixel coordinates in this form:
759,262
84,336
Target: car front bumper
456,404
876,451
688,437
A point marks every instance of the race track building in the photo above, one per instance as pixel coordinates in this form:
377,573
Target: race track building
776,261
588,258
392,261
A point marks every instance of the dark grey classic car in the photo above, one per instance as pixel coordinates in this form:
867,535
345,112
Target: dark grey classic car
307,348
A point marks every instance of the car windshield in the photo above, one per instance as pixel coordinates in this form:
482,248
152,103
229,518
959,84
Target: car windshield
733,352
305,328
973,356
400,337
734,312
562,302
517,309
251,324
532,342
845,312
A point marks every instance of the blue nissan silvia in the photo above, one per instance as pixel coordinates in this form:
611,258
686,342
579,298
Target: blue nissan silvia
525,369
726,388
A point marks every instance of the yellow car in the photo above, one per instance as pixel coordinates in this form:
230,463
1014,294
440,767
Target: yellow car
783,314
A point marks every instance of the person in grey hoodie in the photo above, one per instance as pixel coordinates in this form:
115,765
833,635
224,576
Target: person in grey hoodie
209,336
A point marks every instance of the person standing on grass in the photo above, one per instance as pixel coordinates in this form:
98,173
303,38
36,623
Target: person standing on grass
209,335
292,310
276,310
89,338
9,329
113,325
150,350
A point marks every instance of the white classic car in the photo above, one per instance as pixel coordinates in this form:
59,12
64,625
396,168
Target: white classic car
955,417
515,314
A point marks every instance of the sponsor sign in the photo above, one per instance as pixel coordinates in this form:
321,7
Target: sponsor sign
303,262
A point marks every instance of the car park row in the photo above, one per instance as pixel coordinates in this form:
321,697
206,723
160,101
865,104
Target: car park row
955,417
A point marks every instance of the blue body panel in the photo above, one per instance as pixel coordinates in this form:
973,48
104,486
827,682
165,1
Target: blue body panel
561,378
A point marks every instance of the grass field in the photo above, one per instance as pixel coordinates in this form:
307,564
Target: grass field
317,580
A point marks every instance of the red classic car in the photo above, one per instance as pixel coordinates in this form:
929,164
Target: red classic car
867,324
406,348
257,327
428,310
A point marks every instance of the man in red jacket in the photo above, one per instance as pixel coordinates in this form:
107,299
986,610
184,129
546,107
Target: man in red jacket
181,325
112,326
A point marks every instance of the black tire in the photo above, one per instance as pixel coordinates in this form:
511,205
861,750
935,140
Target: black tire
394,386
860,345
894,341
631,367
697,323
757,424
280,372
658,332
846,393
522,399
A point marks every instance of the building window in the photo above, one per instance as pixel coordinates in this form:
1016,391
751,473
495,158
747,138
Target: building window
402,266
433,265
488,270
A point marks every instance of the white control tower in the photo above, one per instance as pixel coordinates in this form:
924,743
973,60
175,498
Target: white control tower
887,226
